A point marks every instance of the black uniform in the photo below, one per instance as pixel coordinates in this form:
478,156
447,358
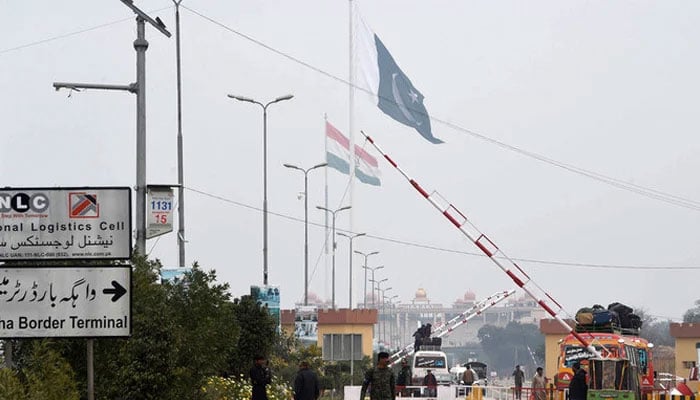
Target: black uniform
260,377
578,389
306,386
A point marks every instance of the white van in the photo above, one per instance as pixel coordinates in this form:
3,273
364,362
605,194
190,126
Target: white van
435,361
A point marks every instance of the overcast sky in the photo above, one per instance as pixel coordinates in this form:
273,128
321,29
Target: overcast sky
610,87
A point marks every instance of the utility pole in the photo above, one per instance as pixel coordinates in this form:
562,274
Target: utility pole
180,146
138,88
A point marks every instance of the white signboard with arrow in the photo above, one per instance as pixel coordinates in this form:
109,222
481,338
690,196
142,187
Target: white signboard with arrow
65,302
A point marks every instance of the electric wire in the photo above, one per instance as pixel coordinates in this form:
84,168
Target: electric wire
74,33
618,183
447,250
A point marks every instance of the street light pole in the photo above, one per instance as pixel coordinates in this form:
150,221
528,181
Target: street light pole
180,146
365,255
138,88
333,213
382,308
264,108
374,304
350,237
306,224
372,280
391,316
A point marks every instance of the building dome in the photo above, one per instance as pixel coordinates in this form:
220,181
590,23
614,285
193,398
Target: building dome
469,296
421,296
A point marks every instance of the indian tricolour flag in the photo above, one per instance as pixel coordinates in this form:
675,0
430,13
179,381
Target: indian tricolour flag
338,157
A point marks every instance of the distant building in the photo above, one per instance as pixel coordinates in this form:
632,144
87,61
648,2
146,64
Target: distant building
396,322
399,321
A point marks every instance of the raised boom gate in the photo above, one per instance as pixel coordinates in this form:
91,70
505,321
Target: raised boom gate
489,248
460,319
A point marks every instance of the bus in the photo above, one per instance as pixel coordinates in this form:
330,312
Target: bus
635,350
613,378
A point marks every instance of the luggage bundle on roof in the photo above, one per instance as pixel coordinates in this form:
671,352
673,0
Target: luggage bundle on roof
617,317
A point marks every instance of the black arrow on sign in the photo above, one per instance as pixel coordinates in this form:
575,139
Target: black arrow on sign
118,291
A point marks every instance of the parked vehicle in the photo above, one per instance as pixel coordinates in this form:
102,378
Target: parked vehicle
435,361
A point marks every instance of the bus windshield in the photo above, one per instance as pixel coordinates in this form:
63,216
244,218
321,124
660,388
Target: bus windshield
430,362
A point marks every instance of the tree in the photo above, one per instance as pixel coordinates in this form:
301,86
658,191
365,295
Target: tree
258,332
10,386
516,343
49,376
141,367
693,314
653,330
206,332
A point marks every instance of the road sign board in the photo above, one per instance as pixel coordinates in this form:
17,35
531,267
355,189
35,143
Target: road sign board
159,214
65,302
65,223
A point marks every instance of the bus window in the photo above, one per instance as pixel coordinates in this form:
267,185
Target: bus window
643,362
430,362
573,354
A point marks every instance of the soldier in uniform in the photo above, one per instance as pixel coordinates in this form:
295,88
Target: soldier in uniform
260,377
380,380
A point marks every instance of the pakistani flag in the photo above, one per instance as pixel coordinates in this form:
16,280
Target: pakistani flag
398,98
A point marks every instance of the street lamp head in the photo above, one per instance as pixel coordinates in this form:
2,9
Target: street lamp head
291,166
283,98
322,208
344,208
241,98
319,165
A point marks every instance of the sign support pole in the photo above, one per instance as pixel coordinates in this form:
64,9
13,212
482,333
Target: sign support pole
90,369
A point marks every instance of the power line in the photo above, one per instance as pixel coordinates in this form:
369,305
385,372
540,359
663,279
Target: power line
620,184
453,251
74,33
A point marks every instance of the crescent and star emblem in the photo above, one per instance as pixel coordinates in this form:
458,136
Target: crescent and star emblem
400,103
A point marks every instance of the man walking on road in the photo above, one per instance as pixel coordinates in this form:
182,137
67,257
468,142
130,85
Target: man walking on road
519,376
539,385
468,377
306,385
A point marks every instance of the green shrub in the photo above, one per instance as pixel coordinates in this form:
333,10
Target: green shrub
49,376
217,388
10,386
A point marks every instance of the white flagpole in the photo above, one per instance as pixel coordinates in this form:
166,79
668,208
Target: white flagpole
351,114
325,246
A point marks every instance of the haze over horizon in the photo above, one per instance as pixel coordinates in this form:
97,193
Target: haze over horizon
583,172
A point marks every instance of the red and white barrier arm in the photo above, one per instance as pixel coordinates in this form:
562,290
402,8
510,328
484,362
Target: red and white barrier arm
489,248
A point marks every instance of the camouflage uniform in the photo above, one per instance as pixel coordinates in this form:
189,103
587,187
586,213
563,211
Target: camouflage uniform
381,383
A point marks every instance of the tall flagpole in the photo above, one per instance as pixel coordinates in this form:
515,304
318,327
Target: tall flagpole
351,118
351,113
325,261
